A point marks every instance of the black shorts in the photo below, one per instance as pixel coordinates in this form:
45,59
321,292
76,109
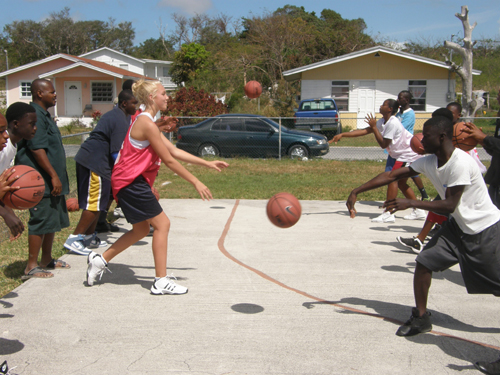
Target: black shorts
93,190
138,202
477,254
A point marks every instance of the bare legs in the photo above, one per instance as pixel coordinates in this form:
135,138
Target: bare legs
35,243
421,285
161,224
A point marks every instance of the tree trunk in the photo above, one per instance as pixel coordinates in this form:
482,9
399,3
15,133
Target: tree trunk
465,70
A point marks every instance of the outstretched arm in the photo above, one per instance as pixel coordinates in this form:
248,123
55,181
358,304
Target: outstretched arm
372,122
182,155
353,134
381,180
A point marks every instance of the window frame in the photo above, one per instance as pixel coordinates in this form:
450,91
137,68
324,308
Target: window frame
112,96
418,104
21,91
340,100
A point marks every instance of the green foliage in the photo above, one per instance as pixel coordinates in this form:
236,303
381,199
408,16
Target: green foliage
189,62
30,40
155,49
192,102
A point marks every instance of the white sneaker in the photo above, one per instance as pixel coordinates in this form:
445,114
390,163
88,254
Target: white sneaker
118,212
166,285
416,214
96,267
91,241
76,244
386,217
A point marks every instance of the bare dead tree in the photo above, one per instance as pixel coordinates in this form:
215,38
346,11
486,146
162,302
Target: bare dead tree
469,103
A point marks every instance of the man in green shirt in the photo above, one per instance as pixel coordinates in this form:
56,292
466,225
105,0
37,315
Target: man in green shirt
45,153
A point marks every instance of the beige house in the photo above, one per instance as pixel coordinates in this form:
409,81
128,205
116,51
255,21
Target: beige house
361,81
84,83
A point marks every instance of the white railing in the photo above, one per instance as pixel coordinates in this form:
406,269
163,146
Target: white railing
167,81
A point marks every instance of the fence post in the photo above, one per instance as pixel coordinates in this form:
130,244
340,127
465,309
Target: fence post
279,140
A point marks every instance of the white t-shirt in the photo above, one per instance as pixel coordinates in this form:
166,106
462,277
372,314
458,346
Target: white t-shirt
399,148
475,212
7,156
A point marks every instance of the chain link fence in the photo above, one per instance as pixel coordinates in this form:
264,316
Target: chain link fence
240,132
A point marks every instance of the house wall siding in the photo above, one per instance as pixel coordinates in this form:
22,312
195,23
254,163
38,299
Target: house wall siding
115,60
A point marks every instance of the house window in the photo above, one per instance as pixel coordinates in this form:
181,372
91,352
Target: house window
165,71
102,92
418,91
340,93
25,89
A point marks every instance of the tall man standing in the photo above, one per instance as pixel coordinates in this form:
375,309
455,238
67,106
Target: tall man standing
45,153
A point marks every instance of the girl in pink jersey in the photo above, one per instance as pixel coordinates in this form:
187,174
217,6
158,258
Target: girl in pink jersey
135,170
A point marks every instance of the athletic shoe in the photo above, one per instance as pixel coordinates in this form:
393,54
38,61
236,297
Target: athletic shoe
106,227
166,285
386,217
96,267
416,214
76,244
93,242
492,368
416,324
413,243
118,212
434,230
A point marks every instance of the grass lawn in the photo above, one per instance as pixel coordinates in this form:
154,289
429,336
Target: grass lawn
316,179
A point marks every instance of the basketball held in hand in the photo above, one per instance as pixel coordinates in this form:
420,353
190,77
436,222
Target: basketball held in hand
416,144
284,210
72,204
32,188
461,139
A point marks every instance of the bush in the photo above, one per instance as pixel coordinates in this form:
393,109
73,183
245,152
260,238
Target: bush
192,102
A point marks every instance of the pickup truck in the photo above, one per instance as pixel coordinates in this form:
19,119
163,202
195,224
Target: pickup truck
318,115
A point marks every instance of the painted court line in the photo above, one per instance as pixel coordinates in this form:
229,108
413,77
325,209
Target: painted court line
223,250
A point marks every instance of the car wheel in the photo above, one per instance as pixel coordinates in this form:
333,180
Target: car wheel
298,152
208,149
339,128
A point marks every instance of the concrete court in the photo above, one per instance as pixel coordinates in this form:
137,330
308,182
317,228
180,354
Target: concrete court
323,297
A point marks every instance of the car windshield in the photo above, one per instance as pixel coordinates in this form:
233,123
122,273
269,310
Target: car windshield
317,105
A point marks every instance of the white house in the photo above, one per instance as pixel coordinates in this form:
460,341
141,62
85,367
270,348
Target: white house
361,81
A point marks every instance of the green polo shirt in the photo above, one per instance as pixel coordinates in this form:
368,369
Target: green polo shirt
49,138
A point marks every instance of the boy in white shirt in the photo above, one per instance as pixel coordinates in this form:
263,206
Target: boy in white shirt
471,237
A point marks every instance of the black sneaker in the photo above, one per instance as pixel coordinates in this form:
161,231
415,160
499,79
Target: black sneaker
416,324
113,227
492,368
413,243
102,228
434,230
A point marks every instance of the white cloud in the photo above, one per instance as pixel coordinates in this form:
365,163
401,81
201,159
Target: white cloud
188,6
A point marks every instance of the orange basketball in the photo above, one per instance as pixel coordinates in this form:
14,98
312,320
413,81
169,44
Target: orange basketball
253,89
156,194
460,139
72,204
416,144
284,210
31,191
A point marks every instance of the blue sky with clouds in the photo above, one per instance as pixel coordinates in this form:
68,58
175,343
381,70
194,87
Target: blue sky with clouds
430,20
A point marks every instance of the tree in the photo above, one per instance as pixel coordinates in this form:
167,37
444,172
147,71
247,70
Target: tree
192,102
469,104
30,41
188,63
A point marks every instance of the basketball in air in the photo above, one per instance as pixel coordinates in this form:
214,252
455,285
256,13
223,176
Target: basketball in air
284,210
32,188
460,139
72,204
416,144
253,89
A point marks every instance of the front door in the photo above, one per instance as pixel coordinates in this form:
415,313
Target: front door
73,98
366,102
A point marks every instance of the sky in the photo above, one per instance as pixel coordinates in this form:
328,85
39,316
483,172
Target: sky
396,20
